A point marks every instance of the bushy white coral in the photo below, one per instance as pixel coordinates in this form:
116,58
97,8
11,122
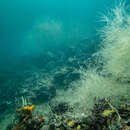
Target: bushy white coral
116,42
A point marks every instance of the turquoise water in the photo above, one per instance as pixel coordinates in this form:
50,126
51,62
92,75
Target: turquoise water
18,18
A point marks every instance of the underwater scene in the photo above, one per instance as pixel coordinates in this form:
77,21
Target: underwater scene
65,65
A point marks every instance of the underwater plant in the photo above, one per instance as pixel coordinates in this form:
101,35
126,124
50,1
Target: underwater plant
116,41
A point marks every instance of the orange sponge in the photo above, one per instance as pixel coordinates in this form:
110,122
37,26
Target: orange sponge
28,108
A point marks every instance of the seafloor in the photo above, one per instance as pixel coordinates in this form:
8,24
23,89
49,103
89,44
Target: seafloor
29,88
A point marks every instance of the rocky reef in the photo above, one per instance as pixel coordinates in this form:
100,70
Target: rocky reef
104,116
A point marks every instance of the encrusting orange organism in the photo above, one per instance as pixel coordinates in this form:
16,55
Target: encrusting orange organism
28,108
